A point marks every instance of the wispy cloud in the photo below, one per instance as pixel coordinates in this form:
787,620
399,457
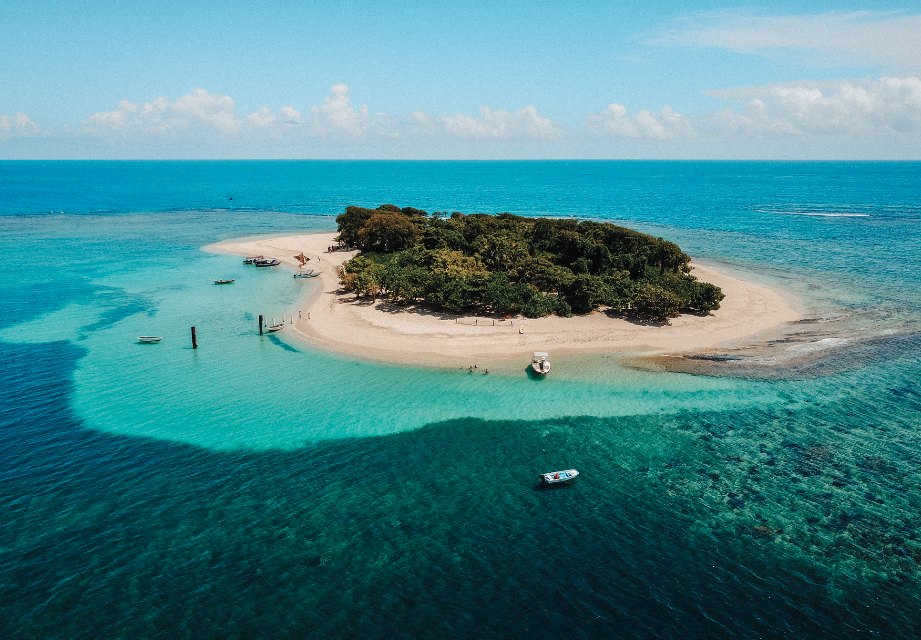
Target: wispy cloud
865,37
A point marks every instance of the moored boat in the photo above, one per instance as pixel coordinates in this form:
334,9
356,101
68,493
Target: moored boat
275,327
313,273
540,363
555,477
267,262
223,281
150,338
251,259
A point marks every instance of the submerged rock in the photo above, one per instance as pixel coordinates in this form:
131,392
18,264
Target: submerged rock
765,532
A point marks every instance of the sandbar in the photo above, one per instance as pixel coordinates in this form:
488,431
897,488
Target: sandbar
335,320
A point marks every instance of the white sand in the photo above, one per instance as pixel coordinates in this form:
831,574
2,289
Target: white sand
384,331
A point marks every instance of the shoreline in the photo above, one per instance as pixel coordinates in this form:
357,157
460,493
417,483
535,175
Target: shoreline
414,335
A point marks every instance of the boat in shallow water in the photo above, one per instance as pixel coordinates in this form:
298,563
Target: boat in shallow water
223,281
150,338
267,262
555,477
313,273
251,259
275,327
540,363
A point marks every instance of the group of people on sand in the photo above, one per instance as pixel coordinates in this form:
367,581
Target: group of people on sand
473,368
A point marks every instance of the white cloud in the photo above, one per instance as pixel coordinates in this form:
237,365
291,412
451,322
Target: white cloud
336,116
201,112
842,110
661,126
524,123
874,37
287,116
198,109
261,118
197,113
884,108
19,125
852,116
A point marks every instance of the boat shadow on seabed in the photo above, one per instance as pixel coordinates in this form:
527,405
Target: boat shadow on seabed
532,374
543,486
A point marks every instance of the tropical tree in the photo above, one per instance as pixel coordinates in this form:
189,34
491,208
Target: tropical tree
386,232
586,293
655,302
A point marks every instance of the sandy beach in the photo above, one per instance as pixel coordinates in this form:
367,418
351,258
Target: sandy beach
385,331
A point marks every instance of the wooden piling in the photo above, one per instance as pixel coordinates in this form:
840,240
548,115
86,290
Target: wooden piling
260,325
194,339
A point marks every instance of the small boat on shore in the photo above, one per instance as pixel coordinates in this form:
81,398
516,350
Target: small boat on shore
267,262
313,273
251,259
555,477
223,281
150,338
540,363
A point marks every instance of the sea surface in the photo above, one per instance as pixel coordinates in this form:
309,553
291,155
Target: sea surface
256,487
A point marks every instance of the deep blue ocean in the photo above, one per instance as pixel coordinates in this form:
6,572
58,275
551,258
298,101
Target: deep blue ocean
259,488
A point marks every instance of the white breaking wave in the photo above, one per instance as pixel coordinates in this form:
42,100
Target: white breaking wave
821,345
823,214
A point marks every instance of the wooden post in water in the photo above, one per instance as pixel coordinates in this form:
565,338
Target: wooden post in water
194,340
260,325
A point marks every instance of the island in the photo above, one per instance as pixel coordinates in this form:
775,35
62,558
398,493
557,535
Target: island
508,265
367,323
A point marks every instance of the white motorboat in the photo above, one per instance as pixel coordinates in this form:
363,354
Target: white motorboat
555,477
275,327
540,363
150,338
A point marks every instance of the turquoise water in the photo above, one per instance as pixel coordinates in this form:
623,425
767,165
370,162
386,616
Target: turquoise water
256,487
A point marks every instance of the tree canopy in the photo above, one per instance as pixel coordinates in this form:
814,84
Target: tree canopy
509,264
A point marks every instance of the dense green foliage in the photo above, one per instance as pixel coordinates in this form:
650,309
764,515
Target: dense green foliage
509,264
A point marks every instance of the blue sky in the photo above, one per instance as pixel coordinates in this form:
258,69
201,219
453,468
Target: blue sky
125,79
